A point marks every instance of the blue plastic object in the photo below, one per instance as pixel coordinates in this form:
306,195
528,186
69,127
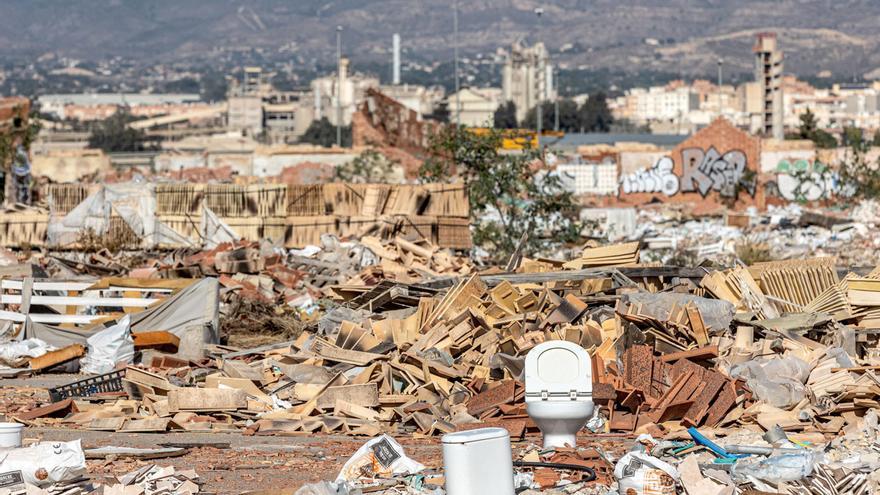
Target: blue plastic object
714,447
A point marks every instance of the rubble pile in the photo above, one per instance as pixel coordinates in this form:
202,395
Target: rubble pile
759,377
671,234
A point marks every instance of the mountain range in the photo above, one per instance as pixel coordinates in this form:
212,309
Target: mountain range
820,37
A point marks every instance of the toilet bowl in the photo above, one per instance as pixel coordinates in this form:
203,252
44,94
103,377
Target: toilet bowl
559,391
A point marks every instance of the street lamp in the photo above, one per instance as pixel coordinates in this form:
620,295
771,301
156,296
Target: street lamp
539,111
339,86
556,100
455,50
720,64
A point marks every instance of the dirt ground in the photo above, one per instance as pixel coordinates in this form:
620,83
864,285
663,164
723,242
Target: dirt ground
232,463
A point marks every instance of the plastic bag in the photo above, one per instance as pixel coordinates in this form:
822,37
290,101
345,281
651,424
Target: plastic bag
777,468
108,347
642,474
717,314
16,354
778,382
44,463
380,457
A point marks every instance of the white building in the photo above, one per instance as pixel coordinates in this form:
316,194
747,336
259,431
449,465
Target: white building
245,114
527,77
661,103
415,97
475,106
589,178
346,90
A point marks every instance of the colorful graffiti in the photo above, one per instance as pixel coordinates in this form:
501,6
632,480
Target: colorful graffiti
659,178
702,172
705,171
802,180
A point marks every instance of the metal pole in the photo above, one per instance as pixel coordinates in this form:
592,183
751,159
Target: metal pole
556,101
541,72
720,79
339,86
455,49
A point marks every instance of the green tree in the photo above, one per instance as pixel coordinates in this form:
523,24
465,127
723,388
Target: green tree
114,134
440,112
505,116
854,138
370,167
595,116
509,194
569,119
323,133
876,140
860,179
809,129
213,86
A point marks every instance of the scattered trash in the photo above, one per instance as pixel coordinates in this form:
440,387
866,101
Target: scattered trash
44,463
641,474
108,348
380,457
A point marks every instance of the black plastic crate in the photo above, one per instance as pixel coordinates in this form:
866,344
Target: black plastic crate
108,382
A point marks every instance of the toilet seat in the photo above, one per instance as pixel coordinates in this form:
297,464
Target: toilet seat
558,370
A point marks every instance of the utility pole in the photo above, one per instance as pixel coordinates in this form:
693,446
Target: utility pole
455,50
541,73
556,100
720,79
339,86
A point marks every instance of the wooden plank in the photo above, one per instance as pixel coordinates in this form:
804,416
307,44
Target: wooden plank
122,302
697,327
145,378
50,318
206,399
53,358
697,354
330,352
160,339
354,411
366,395
146,425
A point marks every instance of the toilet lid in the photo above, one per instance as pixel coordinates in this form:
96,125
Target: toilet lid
558,367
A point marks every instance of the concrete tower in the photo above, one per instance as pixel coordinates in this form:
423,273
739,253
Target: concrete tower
768,74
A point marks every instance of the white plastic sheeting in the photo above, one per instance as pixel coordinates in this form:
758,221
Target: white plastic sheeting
215,231
108,347
134,202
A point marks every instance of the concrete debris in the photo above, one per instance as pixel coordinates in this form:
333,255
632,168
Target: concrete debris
752,375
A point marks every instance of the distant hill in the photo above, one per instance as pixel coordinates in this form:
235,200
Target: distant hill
676,36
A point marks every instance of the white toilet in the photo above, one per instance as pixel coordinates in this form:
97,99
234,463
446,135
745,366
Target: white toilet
559,390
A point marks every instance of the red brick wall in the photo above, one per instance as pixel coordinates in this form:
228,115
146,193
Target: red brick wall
719,156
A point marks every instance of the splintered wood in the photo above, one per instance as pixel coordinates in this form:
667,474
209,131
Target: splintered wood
421,343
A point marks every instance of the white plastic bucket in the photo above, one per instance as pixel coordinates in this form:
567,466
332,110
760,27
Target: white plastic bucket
10,435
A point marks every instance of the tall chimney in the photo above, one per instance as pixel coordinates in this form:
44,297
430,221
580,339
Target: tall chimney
395,48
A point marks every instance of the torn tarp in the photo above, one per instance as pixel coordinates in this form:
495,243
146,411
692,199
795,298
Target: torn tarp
193,315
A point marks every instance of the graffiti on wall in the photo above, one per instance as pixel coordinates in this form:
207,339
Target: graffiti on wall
703,171
659,178
802,180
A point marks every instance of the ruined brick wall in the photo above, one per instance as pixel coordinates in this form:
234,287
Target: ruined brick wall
395,130
716,167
